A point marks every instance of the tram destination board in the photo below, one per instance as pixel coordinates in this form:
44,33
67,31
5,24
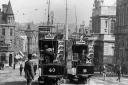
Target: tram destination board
53,70
45,28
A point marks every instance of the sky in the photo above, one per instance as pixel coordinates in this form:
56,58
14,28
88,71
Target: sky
36,10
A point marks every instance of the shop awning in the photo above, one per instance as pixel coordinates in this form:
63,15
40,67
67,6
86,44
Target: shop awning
20,52
18,56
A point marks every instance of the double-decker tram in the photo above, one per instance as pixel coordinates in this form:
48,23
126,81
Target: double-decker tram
82,64
51,62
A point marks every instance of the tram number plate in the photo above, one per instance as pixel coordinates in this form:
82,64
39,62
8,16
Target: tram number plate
53,70
85,69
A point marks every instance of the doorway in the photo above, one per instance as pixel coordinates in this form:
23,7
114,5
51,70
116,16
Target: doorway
10,59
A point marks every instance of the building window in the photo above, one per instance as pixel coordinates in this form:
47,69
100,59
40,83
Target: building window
127,43
127,55
11,32
105,30
3,57
106,23
112,25
3,31
8,19
10,42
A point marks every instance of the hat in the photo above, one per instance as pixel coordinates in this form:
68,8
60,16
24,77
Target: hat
29,56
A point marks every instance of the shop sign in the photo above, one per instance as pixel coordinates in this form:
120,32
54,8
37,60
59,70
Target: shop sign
3,48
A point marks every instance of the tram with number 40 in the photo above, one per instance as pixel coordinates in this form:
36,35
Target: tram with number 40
51,61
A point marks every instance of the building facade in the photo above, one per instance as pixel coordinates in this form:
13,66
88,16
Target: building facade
121,33
103,24
7,28
19,43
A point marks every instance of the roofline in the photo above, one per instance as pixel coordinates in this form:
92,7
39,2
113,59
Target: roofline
7,25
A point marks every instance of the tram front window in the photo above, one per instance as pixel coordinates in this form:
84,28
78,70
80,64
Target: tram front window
48,54
80,51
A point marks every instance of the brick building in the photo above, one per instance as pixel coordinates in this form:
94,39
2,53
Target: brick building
7,27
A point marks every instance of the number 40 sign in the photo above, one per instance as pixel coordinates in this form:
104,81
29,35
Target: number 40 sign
52,70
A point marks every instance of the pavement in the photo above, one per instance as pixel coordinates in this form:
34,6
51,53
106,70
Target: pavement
10,76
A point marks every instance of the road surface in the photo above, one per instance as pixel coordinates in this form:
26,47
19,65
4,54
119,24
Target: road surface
10,76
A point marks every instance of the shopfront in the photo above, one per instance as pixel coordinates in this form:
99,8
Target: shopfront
6,56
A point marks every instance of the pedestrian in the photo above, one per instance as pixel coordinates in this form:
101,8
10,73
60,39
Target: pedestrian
3,65
118,73
104,71
14,65
28,69
100,69
35,68
21,69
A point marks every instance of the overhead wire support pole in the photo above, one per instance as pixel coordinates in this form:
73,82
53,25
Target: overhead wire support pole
48,22
66,34
76,19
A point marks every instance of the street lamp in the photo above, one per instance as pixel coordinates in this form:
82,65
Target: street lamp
29,34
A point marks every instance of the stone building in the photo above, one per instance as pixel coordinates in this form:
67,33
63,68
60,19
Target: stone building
19,43
7,27
121,33
103,23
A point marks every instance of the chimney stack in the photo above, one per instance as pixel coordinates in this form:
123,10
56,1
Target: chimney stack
0,11
4,6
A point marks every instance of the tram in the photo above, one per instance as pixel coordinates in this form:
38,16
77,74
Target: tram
82,64
51,62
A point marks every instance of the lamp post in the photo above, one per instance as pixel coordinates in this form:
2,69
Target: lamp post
29,34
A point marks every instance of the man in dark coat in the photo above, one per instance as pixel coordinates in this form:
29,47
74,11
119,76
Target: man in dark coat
35,68
29,71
